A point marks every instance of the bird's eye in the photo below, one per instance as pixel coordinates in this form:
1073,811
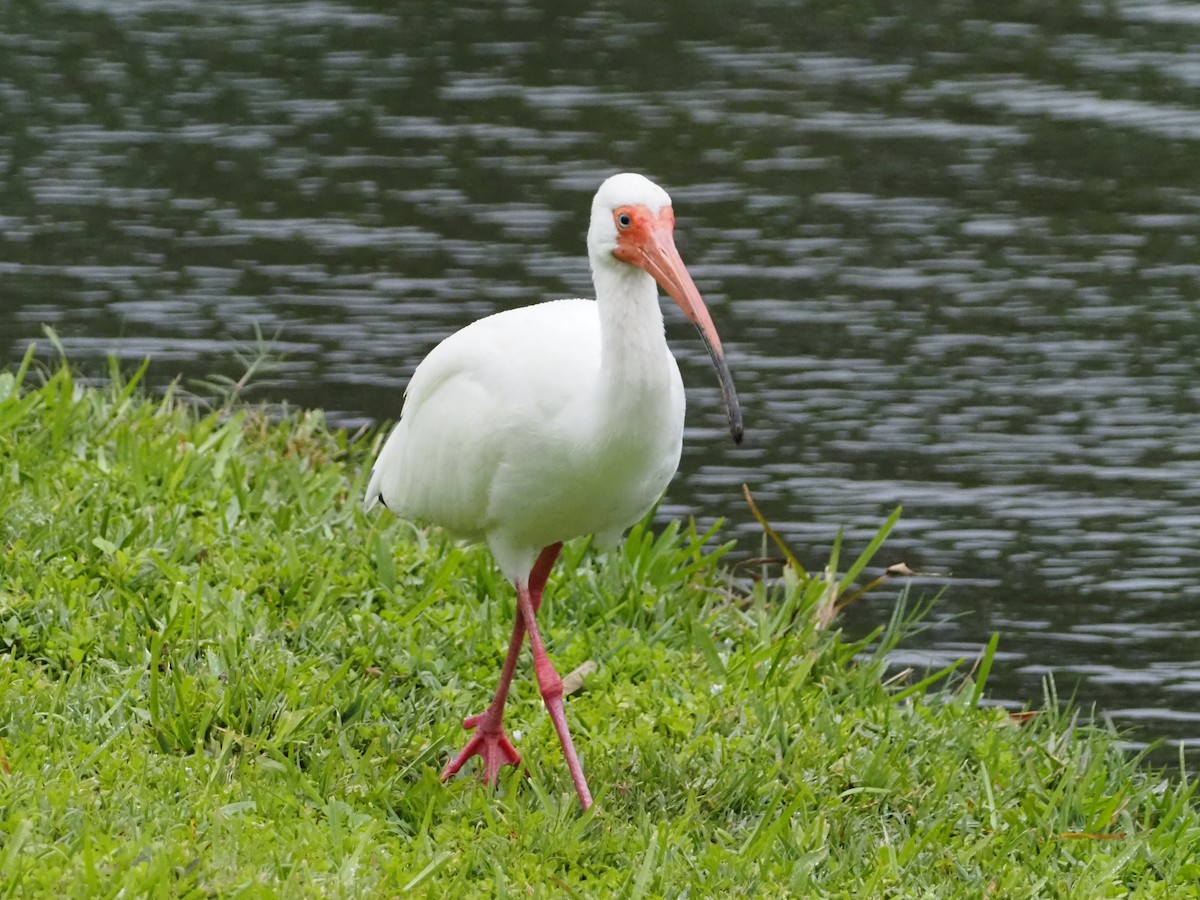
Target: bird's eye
624,221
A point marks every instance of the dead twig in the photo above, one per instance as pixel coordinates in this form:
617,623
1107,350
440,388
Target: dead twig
574,681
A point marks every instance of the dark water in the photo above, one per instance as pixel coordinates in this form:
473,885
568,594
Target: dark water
951,249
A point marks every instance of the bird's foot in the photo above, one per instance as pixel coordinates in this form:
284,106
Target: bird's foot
490,742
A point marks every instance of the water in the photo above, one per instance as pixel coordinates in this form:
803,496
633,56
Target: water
951,250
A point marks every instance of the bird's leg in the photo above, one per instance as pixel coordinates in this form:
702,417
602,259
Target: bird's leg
552,693
539,575
490,740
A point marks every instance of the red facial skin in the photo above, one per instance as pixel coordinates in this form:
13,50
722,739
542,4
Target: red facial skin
647,241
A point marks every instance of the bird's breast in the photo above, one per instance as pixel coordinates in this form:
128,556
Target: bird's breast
518,429
597,466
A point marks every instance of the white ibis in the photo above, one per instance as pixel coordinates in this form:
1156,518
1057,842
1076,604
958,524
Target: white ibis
537,425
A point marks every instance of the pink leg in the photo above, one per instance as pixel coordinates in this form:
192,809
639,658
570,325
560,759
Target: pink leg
552,693
489,739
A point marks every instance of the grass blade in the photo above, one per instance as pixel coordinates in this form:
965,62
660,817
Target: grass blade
870,551
985,667
772,533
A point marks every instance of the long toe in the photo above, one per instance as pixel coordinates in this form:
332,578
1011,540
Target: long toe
500,753
493,746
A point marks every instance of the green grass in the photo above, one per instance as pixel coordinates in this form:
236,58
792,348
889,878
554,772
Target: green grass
217,678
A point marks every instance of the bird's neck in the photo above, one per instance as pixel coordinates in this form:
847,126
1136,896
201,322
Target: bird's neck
634,353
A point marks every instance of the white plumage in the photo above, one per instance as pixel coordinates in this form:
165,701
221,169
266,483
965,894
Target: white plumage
537,425
507,436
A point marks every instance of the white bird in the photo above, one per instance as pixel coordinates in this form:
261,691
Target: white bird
536,425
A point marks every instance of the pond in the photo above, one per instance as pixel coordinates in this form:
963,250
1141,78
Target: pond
950,248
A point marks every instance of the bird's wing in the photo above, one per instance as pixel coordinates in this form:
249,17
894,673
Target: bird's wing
512,371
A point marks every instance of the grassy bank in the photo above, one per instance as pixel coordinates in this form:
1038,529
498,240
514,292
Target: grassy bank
217,678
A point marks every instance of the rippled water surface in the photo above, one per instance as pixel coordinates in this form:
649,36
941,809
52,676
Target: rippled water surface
951,249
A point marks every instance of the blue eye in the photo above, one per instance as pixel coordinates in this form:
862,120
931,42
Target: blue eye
624,221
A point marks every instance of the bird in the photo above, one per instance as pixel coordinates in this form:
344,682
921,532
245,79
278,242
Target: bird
543,423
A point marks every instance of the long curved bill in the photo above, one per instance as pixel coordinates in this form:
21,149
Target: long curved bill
661,259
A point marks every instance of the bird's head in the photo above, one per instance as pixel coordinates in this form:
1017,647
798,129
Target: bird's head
633,223
625,208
